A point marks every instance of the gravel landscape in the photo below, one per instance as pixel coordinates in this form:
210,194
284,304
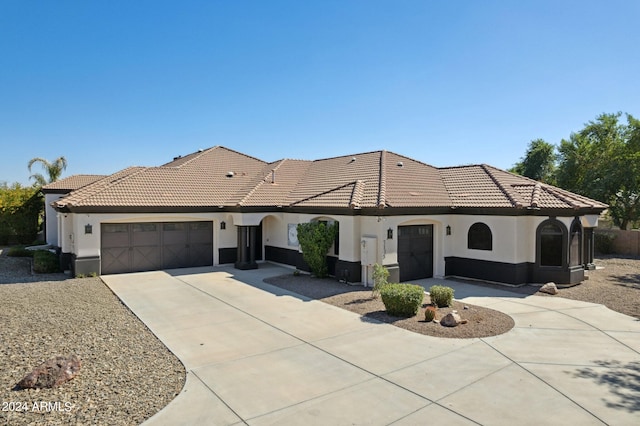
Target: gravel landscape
615,284
127,374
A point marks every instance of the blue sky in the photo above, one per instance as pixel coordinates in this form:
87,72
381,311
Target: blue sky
110,84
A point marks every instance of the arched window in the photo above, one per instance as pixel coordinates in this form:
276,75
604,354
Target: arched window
551,243
479,237
575,244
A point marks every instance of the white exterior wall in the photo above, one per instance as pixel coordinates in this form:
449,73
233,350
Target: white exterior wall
513,237
51,219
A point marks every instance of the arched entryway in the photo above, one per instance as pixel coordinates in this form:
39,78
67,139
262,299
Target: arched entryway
558,253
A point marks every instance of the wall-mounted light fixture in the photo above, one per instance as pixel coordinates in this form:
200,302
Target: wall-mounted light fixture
389,234
448,230
88,229
223,225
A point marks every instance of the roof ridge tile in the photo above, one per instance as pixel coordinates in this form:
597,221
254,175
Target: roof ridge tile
512,199
382,184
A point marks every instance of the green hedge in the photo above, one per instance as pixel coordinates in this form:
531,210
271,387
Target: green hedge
402,300
20,209
45,262
19,251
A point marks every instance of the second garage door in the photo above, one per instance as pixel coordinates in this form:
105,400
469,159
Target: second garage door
135,247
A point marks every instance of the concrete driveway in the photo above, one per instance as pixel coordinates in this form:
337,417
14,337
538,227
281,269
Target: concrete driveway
259,355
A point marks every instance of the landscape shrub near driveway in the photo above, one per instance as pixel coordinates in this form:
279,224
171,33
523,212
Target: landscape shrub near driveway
402,300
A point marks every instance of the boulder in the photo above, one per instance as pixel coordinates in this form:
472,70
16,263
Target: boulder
52,373
451,319
549,288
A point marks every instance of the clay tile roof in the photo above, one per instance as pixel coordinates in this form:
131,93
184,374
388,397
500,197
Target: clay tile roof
333,175
71,183
410,183
274,183
474,186
207,178
220,177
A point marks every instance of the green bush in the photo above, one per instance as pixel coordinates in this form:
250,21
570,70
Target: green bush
380,276
441,296
45,262
19,251
20,209
402,300
315,240
604,242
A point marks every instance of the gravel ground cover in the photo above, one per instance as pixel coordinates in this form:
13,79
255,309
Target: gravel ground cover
615,284
127,374
482,322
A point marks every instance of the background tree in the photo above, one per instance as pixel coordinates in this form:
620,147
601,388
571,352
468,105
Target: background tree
538,163
602,161
53,169
20,208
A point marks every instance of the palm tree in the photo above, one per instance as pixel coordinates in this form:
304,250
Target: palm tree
53,169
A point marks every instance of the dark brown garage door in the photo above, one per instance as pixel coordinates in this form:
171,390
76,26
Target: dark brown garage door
134,247
415,252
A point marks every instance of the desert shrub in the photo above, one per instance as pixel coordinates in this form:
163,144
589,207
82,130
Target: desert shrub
45,262
430,313
315,240
441,296
380,276
604,242
19,251
402,300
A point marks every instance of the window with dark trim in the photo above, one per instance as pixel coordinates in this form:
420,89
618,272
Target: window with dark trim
551,245
575,244
480,237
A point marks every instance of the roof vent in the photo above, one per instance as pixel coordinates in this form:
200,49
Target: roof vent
230,174
353,159
400,164
175,158
200,150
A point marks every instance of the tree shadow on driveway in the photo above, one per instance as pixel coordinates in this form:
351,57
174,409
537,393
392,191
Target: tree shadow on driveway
622,381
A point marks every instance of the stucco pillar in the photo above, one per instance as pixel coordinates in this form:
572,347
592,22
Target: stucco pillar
246,248
588,249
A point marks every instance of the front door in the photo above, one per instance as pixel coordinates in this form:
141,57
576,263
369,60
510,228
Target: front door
415,252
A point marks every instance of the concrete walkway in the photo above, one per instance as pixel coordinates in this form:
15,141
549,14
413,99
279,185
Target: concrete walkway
259,355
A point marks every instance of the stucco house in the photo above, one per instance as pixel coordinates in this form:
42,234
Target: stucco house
219,206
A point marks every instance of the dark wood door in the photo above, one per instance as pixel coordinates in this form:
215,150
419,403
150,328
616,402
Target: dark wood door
415,252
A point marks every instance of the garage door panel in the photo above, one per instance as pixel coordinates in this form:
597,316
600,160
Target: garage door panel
155,245
145,234
115,260
175,256
115,235
201,233
146,258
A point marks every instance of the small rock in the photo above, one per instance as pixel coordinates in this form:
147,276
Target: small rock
465,307
549,288
451,320
52,373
